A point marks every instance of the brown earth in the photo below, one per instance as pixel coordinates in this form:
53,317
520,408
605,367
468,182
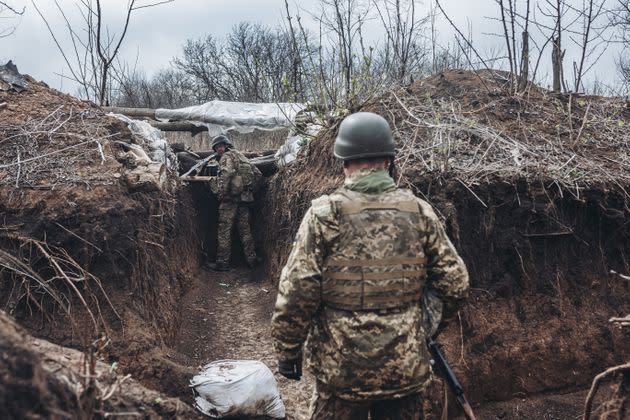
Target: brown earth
43,380
227,316
89,234
539,237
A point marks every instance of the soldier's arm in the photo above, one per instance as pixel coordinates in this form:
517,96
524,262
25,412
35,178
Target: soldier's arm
447,275
228,168
298,290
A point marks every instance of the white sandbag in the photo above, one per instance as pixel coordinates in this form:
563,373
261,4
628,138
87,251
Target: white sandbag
154,140
237,388
288,152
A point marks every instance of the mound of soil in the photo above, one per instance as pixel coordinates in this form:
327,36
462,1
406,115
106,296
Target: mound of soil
94,239
43,380
532,189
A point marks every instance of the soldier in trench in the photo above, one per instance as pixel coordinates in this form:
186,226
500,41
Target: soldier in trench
235,193
363,260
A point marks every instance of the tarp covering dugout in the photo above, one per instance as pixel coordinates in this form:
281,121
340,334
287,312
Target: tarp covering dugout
241,116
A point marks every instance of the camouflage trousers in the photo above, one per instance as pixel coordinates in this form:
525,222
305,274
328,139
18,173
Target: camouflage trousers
229,213
325,405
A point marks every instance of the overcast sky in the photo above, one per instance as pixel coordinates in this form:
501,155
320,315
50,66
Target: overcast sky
157,34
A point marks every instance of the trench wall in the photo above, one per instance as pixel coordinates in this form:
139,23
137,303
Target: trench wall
540,262
142,246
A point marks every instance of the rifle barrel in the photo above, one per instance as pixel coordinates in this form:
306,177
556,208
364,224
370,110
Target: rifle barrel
449,376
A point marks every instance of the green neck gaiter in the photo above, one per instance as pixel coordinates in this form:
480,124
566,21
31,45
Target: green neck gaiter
369,181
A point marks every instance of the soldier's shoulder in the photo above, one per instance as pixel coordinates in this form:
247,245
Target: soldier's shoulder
425,208
229,156
231,153
323,207
238,154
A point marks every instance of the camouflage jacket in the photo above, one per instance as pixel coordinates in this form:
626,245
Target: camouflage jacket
361,354
228,169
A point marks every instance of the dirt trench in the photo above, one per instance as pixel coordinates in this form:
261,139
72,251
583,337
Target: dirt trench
527,344
215,316
227,316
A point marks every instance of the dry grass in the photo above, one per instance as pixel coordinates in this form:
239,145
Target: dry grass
41,272
477,137
54,150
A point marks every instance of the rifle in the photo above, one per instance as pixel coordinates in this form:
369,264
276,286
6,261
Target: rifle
445,371
197,167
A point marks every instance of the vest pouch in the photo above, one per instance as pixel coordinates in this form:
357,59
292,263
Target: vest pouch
247,197
236,185
214,185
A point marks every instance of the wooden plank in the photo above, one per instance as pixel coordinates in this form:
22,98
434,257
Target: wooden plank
196,178
131,112
178,126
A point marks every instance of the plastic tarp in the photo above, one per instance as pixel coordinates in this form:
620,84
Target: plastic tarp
10,74
237,388
241,116
287,153
158,148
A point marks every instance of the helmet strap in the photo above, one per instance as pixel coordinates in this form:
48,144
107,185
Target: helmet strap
392,169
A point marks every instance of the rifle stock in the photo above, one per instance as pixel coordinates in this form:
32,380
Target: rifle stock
445,371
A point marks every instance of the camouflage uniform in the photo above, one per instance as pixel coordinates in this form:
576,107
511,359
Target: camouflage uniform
326,405
361,261
230,210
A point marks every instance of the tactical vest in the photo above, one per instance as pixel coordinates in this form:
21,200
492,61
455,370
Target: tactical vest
379,261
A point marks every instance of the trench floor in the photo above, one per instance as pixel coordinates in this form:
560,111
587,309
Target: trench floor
227,316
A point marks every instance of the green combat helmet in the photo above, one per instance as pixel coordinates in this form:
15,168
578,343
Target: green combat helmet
221,139
364,135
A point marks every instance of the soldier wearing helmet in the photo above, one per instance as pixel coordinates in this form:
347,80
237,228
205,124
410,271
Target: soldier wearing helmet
353,287
232,207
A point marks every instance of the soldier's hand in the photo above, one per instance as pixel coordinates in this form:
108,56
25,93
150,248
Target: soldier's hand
291,369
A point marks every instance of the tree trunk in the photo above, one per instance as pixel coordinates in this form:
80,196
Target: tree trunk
524,76
556,60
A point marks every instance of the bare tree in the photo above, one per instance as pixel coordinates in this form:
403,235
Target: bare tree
312,62
524,74
168,88
253,63
518,58
592,40
342,22
7,11
94,47
258,62
619,18
585,26
297,63
202,62
403,48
